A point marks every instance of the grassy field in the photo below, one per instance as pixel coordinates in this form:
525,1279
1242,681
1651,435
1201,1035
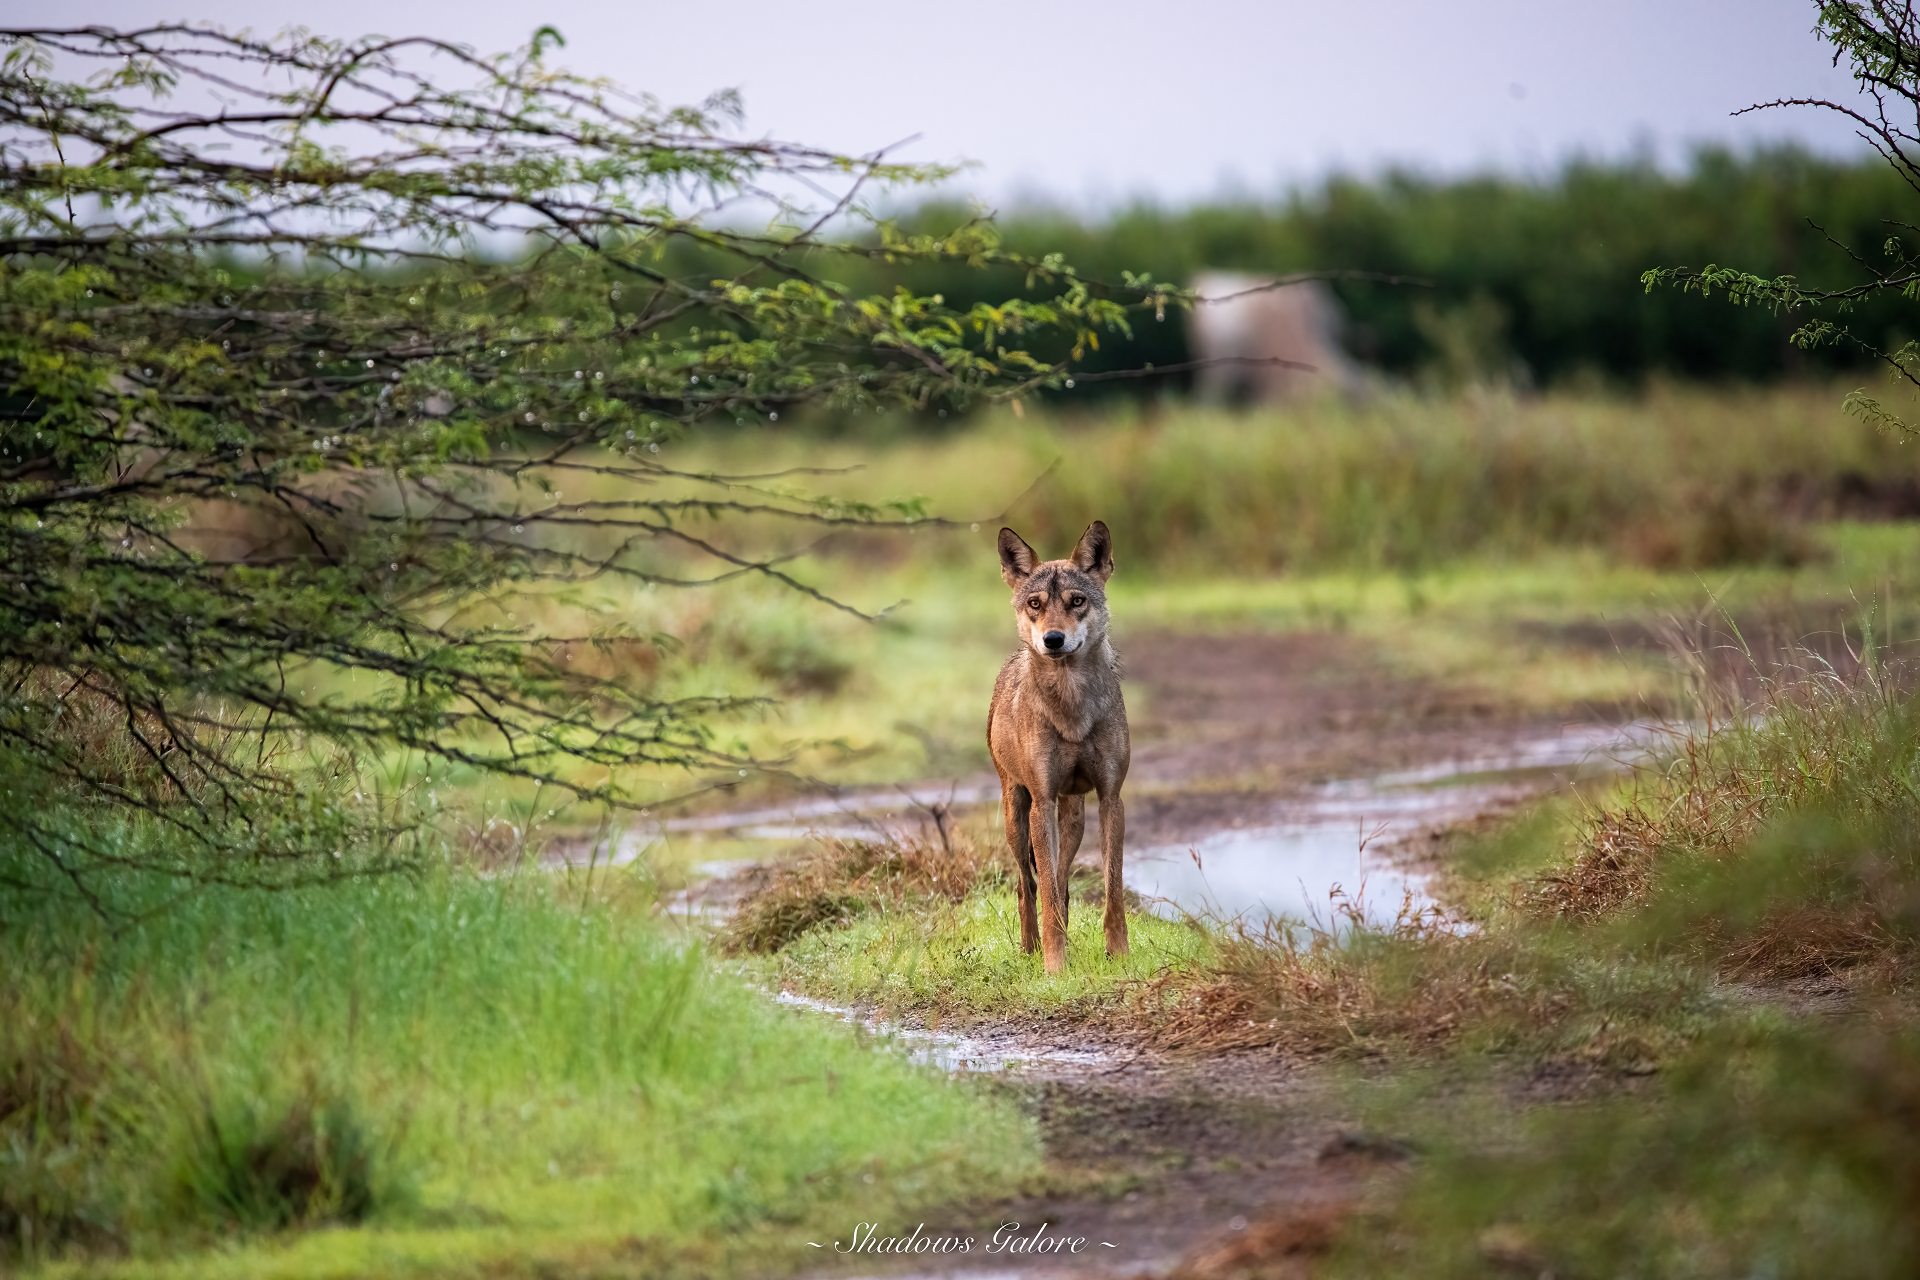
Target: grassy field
1455,538
1708,967
1673,476
1562,631
442,1072
963,961
1762,889
435,1074
929,932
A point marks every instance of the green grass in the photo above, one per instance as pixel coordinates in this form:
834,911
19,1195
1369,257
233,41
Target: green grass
1739,922
1770,1146
962,963
1640,949
929,930
447,1075
1675,476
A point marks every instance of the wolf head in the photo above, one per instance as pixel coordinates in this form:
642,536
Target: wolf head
1060,605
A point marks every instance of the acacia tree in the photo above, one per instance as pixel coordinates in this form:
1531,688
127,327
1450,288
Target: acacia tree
407,306
1879,40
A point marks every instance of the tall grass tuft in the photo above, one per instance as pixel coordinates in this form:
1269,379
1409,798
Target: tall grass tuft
1785,1151
1349,985
309,1159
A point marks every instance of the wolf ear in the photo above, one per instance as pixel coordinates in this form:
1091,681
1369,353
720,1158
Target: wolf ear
1095,552
1016,558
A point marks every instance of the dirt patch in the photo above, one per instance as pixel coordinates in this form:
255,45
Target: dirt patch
1230,726
1227,730
1178,1169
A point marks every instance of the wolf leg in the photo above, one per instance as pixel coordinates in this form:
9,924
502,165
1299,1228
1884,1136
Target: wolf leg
1113,826
1014,801
1044,828
1073,828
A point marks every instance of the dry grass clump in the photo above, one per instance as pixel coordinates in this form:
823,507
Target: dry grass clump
1785,845
1290,1243
307,1159
1806,940
1716,522
1352,986
50,1131
1785,728
835,880
93,730
1612,868
1760,1151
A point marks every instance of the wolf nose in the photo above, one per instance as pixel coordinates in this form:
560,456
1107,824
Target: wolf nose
1054,639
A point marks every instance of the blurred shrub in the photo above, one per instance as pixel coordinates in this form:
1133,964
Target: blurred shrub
1783,1153
789,650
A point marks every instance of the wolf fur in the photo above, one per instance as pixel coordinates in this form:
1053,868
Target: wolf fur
1057,730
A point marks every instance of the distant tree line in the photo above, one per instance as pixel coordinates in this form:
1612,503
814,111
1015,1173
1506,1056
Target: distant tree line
1443,281
1537,281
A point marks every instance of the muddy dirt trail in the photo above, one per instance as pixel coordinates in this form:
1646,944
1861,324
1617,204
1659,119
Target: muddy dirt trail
1267,768
1227,729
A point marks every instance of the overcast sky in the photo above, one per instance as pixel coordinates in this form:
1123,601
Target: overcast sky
1092,103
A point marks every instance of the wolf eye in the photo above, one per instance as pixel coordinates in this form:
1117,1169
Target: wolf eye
1075,600
1035,603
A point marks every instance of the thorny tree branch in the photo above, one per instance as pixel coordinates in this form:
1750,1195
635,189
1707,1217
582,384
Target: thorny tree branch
415,325
1880,43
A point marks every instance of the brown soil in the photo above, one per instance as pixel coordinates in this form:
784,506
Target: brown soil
1229,727
1227,1168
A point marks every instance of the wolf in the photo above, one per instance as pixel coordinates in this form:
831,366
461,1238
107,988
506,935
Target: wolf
1057,729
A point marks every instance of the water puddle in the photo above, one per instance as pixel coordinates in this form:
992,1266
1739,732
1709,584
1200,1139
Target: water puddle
1337,845
713,891
989,1051
620,848
855,813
